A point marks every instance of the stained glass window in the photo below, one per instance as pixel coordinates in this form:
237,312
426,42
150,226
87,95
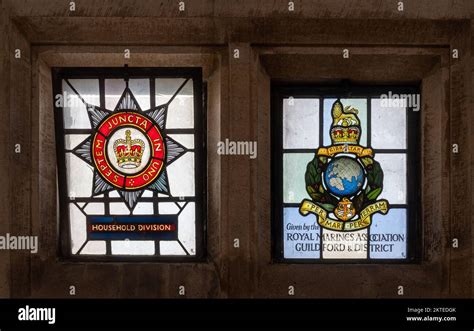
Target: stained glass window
130,147
345,180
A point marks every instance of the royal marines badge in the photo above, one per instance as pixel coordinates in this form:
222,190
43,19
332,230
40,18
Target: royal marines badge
343,180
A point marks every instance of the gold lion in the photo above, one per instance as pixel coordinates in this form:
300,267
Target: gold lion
345,117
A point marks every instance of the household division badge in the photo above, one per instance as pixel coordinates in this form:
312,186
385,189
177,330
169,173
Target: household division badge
128,149
343,180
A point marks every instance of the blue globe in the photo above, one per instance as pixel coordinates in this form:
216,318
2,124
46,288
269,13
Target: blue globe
344,176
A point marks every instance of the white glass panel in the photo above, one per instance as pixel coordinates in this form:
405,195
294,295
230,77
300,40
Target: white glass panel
78,228
165,88
114,194
147,194
388,238
181,109
300,235
187,228
119,208
300,123
74,110
388,125
113,91
171,248
168,208
132,247
181,175
143,208
344,245
394,177
359,104
294,168
72,140
94,248
187,140
141,91
94,208
79,177
88,89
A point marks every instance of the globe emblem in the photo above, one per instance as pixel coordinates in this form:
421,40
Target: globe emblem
344,176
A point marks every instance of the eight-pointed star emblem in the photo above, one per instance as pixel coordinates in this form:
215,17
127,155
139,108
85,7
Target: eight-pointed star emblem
128,148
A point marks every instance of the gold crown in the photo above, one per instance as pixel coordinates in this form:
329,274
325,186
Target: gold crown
129,152
345,126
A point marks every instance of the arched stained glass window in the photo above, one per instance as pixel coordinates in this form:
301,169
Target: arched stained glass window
345,174
130,152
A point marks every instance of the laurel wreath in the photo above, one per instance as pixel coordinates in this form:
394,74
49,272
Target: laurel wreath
319,195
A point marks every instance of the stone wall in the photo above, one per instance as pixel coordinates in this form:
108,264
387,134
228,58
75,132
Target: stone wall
387,46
